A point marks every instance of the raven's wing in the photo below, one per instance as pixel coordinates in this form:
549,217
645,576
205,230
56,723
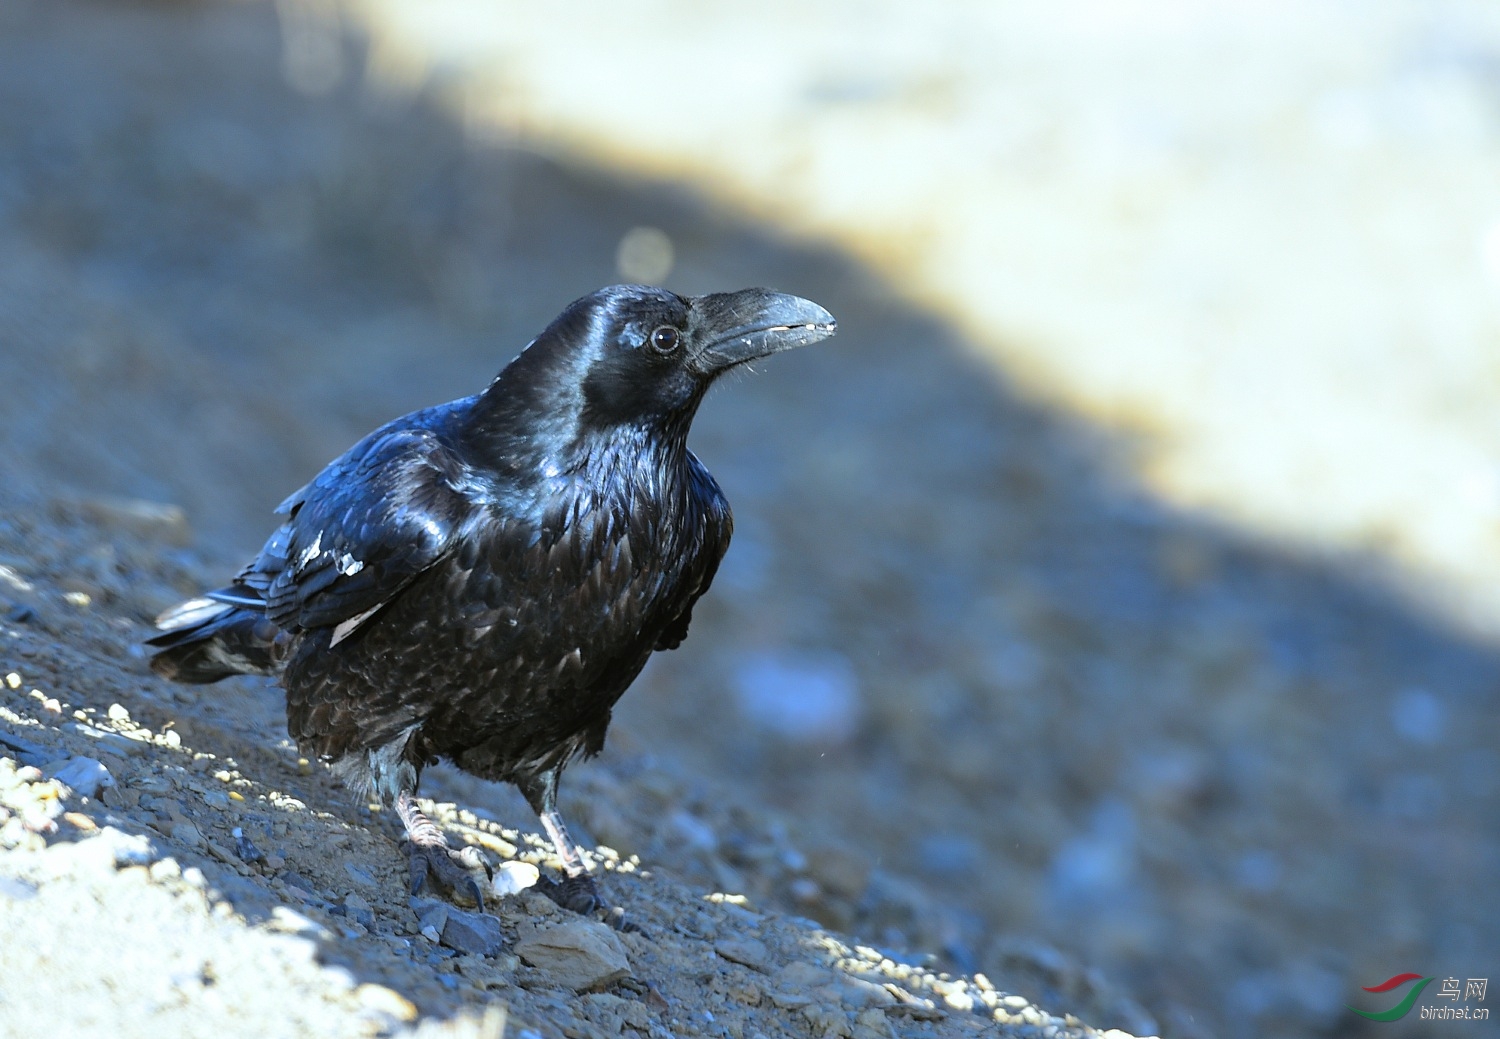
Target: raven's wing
357,534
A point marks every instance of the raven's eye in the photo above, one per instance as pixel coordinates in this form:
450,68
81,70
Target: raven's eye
664,339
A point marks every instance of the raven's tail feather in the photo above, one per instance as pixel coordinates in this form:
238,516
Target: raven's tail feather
204,640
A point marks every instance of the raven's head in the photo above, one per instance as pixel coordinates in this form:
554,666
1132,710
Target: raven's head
629,355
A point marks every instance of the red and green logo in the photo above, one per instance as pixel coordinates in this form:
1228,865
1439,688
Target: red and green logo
1402,1008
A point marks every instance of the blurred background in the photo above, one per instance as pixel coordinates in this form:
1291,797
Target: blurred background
1124,579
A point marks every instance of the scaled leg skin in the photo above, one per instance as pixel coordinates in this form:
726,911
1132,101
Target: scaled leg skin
428,854
576,891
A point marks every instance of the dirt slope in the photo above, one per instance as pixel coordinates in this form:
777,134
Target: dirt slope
1035,707
169,866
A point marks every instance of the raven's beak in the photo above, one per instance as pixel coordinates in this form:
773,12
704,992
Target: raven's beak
735,327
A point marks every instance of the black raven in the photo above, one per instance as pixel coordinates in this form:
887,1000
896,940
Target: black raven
480,581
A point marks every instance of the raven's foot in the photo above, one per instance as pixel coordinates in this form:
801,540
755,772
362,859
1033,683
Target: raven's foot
579,894
456,872
577,891
428,855
576,894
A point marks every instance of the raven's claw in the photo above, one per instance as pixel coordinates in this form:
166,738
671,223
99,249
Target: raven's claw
453,870
576,894
579,894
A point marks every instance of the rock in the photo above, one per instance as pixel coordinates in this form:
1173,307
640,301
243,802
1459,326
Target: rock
386,1001
187,833
26,752
299,887
86,777
826,1021
113,741
289,921
579,954
108,849
959,1001
861,994
800,975
477,933
432,917
511,878
614,1012
790,1000
360,875
221,853
244,848
80,820
358,910
911,1006
147,784
801,984
747,952
13,890
124,849
873,1024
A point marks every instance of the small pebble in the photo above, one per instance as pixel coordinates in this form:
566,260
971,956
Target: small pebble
358,911
15,890
511,878
187,833
748,952
244,847
80,821
476,933
386,1001
84,776
579,954
360,875
959,1001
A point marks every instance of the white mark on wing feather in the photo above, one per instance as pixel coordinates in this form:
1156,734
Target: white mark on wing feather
346,628
311,552
572,661
194,611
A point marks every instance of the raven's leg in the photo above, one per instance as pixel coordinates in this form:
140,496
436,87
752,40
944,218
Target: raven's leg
577,890
390,775
428,853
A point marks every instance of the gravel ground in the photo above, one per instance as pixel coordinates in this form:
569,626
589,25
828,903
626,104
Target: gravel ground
166,861
1047,729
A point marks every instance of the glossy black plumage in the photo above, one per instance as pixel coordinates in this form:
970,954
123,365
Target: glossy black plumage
481,581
